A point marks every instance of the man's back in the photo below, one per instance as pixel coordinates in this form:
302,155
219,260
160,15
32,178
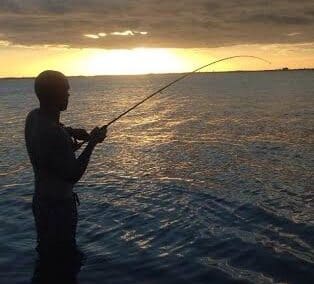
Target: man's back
48,146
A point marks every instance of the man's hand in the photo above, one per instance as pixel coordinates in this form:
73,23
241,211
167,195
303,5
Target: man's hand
80,134
98,135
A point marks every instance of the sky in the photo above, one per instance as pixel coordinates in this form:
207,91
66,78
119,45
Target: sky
79,37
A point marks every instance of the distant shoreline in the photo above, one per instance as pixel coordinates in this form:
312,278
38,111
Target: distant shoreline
106,75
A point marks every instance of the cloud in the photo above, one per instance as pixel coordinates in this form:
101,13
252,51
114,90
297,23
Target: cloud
278,19
152,23
124,33
293,34
4,43
91,36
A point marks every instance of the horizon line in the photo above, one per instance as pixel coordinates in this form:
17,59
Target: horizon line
285,69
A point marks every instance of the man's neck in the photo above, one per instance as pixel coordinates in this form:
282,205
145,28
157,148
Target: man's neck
52,114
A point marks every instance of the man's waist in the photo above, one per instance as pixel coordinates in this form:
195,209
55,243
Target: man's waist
53,195
55,200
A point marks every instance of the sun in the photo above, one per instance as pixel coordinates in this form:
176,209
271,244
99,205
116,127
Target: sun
132,61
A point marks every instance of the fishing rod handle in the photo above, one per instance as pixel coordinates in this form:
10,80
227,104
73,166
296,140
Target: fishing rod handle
85,141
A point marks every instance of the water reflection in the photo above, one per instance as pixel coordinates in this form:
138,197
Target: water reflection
209,183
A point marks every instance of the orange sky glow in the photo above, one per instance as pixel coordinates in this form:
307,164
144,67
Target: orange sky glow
117,37
23,61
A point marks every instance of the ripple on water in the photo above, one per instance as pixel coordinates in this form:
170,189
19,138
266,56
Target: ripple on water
209,183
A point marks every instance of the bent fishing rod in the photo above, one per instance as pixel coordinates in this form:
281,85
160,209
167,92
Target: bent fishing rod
175,81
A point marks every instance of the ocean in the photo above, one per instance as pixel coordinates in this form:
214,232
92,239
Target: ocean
210,181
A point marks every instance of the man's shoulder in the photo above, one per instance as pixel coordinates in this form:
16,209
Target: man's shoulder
33,114
40,126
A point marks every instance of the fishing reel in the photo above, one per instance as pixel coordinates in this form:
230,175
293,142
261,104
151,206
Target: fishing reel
79,136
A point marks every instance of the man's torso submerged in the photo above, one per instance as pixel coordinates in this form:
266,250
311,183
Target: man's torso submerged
40,134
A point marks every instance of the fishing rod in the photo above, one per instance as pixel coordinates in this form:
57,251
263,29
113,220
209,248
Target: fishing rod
175,81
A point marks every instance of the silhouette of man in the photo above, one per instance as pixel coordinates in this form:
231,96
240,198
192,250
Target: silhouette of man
51,147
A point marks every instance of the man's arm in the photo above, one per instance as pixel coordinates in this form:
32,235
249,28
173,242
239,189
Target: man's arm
77,134
60,158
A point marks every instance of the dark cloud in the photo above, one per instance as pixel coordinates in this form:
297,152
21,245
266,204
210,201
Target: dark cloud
185,23
279,19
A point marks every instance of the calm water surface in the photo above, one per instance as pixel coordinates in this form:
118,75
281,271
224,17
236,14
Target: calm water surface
209,182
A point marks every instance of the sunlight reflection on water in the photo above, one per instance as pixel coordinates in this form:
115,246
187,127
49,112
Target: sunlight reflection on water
210,180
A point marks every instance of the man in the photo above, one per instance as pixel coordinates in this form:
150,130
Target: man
51,148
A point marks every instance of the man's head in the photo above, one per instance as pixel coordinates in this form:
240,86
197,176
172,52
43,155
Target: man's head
52,89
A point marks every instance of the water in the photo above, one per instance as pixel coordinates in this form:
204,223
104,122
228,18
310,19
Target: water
209,182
